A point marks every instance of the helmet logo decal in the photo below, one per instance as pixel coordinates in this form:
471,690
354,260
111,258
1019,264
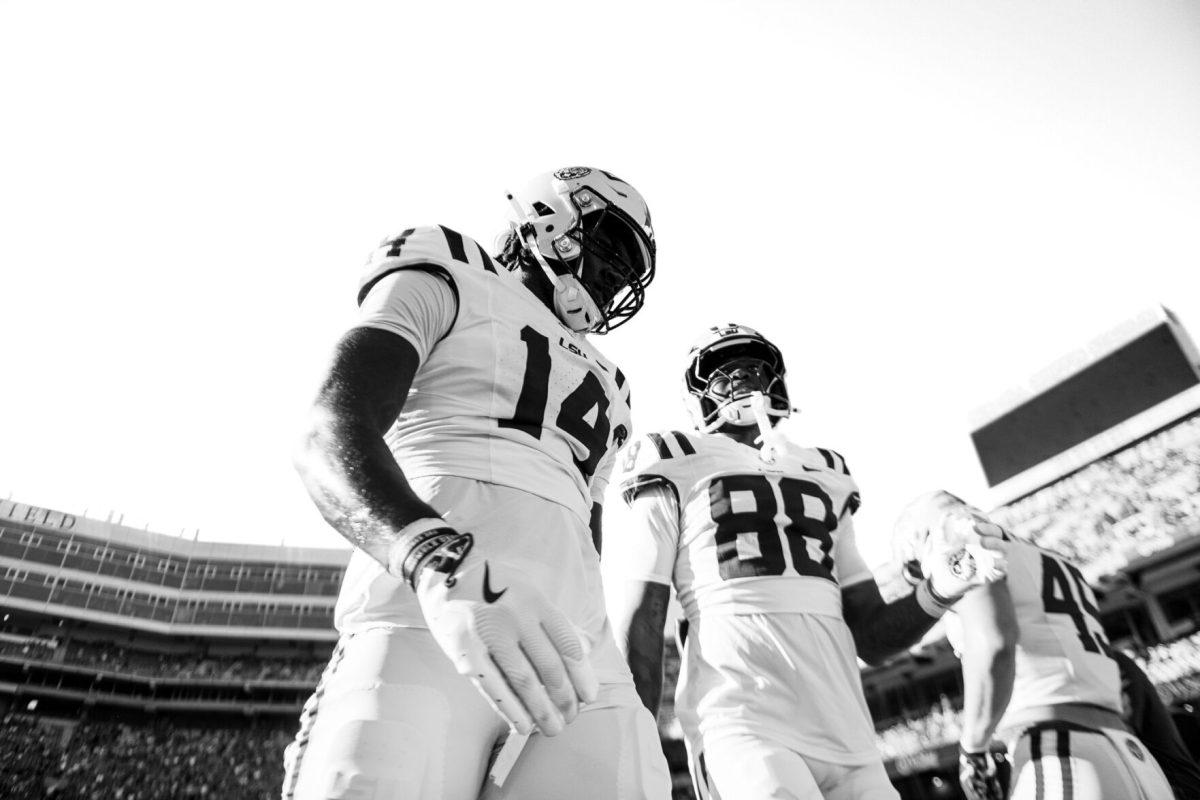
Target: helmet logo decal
572,173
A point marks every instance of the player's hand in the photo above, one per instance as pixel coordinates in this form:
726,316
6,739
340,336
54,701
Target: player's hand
518,649
979,777
964,550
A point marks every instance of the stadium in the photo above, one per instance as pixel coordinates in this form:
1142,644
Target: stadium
138,665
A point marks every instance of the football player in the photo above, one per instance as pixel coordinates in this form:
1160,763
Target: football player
757,536
1038,673
461,441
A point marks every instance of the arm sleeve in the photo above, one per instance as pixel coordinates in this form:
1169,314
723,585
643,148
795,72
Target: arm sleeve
848,565
414,303
641,536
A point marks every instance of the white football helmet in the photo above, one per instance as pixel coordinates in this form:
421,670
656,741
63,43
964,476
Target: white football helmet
917,521
708,389
590,231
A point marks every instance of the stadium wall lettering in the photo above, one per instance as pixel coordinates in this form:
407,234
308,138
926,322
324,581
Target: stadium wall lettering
38,516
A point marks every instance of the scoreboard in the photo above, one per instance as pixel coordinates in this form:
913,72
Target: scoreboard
1128,372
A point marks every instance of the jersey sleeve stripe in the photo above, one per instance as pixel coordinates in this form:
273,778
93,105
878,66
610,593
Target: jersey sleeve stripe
487,260
660,445
684,444
620,378
454,241
825,454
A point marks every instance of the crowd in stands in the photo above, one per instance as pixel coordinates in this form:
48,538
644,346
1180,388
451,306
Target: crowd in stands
125,661
28,752
113,761
942,725
1174,668
1132,503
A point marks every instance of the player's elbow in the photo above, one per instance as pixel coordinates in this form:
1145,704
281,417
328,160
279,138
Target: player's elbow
874,656
312,450
993,646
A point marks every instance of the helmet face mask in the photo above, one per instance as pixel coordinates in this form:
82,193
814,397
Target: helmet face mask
726,369
611,270
590,232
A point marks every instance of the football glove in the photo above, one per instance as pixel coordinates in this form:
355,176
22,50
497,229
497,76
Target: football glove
979,776
501,632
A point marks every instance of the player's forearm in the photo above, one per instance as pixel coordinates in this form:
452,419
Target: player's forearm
988,673
890,628
638,617
648,678
356,484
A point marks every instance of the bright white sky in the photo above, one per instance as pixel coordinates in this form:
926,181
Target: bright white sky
922,203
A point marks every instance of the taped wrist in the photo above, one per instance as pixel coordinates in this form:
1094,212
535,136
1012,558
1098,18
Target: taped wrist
428,543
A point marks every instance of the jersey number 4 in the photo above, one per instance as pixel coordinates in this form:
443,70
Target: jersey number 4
750,541
530,413
1058,578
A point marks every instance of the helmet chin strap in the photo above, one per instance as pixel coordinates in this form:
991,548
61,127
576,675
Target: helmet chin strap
573,305
773,443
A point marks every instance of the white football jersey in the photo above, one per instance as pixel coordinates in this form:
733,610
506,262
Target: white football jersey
505,393
758,553
752,537
1062,652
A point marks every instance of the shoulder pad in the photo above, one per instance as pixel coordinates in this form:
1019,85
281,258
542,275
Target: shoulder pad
833,460
648,461
428,246
648,451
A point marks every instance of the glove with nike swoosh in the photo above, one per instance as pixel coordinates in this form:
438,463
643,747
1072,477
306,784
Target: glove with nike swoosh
501,632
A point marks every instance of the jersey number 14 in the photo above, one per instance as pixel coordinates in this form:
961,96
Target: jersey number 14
530,413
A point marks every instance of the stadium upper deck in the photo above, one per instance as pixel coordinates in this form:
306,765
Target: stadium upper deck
85,569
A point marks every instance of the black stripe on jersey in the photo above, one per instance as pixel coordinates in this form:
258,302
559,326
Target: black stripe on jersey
632,488
487,260
660,445
454,241
684,444
1064,762
828,456
853,503
398,242
1035,755
620,379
